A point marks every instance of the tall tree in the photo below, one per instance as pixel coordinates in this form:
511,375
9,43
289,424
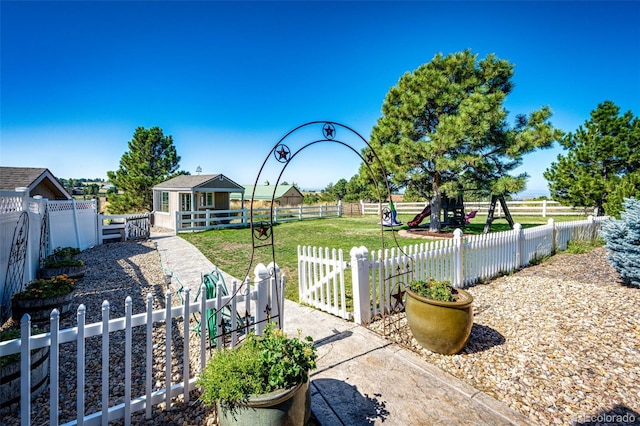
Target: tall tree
443,129
151,159
602,165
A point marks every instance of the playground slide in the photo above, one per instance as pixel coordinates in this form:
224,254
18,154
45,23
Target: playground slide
420,217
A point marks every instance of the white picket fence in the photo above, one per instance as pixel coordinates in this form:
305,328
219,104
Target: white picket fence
543,208
463,260
267,289
221,219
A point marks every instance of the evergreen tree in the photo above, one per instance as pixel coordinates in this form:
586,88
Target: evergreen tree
443,129
602,165
151,159
623,242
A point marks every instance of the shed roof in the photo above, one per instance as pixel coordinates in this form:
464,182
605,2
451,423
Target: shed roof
29,177
265,192
218,182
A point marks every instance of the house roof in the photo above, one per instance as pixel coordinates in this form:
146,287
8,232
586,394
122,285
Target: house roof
265,192
30,177
217,182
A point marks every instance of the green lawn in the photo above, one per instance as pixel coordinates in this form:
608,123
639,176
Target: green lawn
231,249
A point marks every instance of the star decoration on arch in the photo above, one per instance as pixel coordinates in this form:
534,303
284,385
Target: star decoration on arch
329,131
262,232
282,153
386,214
399,300
369,157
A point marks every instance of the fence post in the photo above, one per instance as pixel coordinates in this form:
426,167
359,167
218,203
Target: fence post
552,225
339,208
275,292
457,241
300,212
362,207
261,280
517,230
544,208
593,233
360,284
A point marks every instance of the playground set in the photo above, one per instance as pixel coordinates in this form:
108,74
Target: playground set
453,214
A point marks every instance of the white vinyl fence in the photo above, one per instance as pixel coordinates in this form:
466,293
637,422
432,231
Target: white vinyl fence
220,219
463,260
544,208
267,289
31,228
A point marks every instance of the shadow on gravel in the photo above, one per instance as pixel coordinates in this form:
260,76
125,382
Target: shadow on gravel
482,338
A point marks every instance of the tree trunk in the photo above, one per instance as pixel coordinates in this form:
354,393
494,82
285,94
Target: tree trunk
436,204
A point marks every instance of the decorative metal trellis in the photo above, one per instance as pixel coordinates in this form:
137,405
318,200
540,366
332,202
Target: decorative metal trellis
262,234
45,235
17,261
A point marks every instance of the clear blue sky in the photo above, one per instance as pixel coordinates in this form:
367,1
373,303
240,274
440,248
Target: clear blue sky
228,79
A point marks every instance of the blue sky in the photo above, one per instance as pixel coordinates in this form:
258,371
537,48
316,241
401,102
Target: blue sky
228,79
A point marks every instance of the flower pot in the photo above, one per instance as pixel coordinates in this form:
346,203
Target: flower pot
10,380
40,309
441,327
289,407
76,271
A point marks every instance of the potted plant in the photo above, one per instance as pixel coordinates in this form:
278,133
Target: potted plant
440,317
62,262
10,373
263,381
41,296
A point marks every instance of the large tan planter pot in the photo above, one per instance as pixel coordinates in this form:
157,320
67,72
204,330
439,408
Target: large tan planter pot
441,327
289,407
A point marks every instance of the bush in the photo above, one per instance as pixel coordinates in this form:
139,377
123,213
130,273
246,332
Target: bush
622,238
261,364
436,290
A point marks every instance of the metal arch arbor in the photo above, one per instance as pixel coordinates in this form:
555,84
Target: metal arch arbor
262,233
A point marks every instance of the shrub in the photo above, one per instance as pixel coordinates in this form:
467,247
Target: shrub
436,290
62,257
46,288
622,238
261,364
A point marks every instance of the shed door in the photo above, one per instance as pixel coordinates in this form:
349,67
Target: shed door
185,202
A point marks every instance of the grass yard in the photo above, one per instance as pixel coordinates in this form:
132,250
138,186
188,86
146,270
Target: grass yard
231,249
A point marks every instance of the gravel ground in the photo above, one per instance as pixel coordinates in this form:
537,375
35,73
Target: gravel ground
115,271
566,348
558,342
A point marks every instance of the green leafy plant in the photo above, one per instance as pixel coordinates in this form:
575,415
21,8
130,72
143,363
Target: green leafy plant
62,257
436,290
583,246
261,364
46,288
66,251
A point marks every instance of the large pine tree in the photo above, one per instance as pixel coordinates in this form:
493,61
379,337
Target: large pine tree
602,165
151,159
443,129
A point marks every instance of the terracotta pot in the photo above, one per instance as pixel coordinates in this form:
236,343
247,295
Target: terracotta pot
40,309
10,380
289,407
441,327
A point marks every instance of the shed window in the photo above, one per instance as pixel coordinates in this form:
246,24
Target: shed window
164,201
206,199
